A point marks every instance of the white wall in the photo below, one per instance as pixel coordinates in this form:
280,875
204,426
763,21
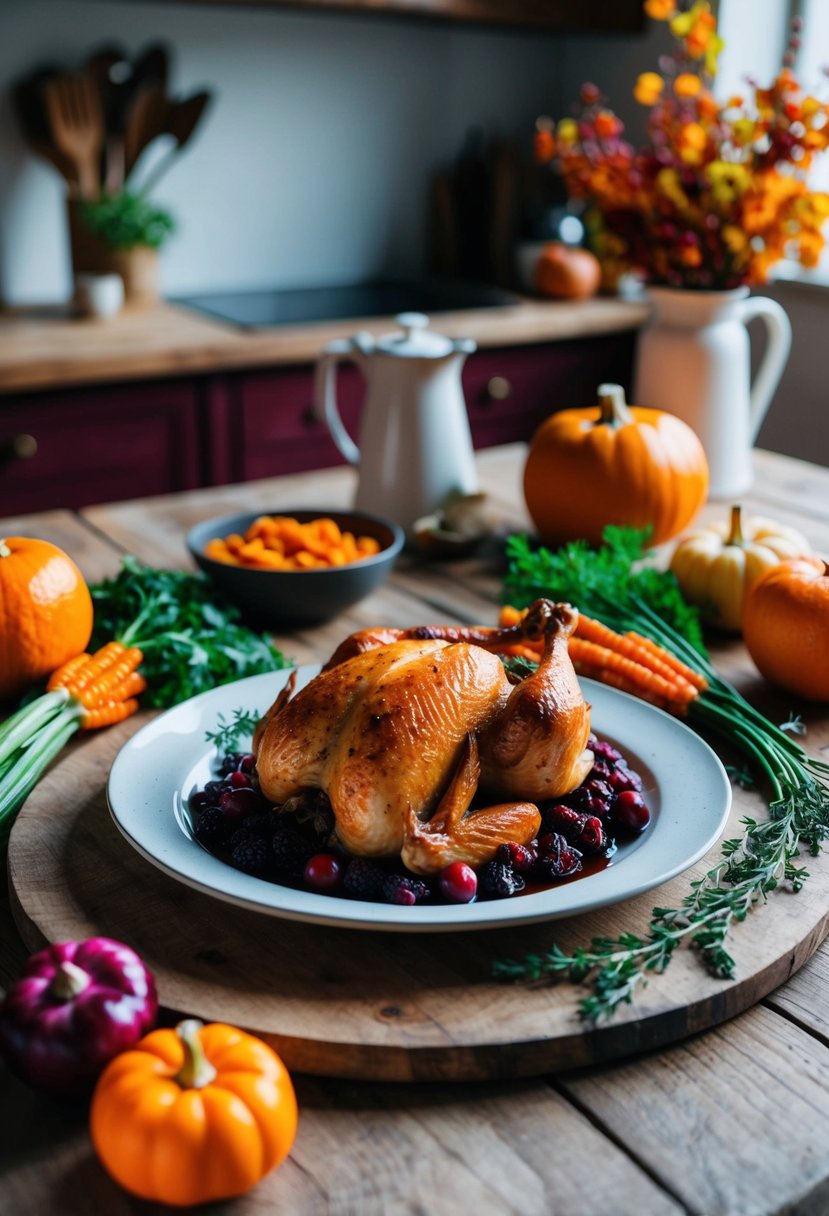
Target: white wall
315,161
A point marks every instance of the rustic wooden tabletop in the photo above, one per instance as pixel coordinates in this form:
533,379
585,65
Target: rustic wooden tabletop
733,1119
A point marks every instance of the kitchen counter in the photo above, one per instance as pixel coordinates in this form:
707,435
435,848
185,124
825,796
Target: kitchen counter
47,349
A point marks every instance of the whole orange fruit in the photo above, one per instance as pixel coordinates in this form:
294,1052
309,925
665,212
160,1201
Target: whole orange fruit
45,611
786,626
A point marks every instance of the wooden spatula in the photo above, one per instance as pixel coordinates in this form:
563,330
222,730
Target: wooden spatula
73,109
145,121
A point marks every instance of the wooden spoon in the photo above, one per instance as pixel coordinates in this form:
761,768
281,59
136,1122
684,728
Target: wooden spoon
182,119
27,97
146,120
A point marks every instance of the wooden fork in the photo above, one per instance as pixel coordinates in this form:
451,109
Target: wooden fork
73,107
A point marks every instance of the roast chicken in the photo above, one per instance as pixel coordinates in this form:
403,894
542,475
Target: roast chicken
404,730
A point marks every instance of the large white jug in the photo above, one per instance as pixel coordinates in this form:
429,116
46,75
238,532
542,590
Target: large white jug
693,360
415,445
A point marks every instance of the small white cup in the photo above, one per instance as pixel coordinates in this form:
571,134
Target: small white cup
99,295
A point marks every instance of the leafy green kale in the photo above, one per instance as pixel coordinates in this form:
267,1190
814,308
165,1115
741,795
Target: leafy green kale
614,583
192,641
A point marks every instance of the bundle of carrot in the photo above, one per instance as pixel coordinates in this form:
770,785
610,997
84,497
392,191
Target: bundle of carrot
627,661
85,693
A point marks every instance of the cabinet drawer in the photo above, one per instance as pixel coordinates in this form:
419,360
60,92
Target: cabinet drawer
97,446
510,391
275,429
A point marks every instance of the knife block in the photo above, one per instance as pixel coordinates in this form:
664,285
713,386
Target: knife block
138,267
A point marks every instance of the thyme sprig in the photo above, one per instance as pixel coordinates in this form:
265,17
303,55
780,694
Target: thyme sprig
607,584
229,735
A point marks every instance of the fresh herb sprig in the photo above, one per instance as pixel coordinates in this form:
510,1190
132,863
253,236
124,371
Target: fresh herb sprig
752,865
229,735
190,639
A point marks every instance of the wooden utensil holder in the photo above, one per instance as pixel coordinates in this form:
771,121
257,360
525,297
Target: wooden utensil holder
138,267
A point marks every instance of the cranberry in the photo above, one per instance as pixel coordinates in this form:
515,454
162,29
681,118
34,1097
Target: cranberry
323,871
556,858
630,812
198,800
239,780
458,882
603,750
520,856
247,763
622,779
591,838
238,804
600,796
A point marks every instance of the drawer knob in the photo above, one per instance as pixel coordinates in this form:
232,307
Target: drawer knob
19,447
498,388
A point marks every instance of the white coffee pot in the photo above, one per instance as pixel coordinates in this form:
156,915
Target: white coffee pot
415,445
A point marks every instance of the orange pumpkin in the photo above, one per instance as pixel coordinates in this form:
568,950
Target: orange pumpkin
613,464
194,1114
45,611
786,626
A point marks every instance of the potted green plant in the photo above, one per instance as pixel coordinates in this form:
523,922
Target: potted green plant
121,233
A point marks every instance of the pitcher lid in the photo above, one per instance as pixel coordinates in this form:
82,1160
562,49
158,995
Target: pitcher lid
416,341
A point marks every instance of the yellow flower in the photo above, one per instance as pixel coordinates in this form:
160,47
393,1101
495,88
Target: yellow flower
648,88
660,10
743,132
687,85
727,180
735,238
667,183
568,131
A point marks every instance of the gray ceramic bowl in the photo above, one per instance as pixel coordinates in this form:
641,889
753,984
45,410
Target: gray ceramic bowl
284,598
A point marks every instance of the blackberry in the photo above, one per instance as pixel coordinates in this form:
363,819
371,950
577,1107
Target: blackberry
229,763
214,789
260,825
563,820
400,889
498,881
557,858
363,879
211,828
290,852
252,855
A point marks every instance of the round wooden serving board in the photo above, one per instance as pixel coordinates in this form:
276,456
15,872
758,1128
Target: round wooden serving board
376,1006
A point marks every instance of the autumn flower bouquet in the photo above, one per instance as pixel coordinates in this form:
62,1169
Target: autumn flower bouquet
720,191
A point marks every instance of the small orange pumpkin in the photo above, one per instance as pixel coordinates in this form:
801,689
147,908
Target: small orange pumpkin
45,611
615,464
194,1114
786,626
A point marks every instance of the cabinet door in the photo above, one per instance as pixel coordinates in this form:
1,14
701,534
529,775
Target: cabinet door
97,445
510,391
273,426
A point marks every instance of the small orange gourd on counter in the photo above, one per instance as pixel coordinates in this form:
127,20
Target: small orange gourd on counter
194,1114
717,565
613,464
45,611
786,626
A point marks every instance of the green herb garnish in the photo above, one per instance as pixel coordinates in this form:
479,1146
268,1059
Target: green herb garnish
606,584
229,735
191,640
127,220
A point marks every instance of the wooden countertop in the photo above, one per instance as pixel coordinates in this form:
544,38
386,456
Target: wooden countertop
730,1122
44,349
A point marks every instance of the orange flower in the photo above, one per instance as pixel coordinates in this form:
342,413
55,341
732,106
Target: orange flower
607,124
687,85
691,143
544,145
660,10
648,88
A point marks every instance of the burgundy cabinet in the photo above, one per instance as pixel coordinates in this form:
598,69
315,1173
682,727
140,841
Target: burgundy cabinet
82,446
264,422
78,447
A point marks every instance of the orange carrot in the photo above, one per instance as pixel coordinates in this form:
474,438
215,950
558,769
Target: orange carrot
61,676
693,677
651,656
589,658
109,714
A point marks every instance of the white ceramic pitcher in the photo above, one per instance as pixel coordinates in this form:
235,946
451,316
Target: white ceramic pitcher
693,360
415,445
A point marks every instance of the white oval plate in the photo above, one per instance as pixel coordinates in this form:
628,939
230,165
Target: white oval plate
686,789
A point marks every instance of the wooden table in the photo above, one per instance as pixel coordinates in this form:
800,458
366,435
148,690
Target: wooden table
733,1120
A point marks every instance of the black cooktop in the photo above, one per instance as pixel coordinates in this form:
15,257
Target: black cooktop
293,305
